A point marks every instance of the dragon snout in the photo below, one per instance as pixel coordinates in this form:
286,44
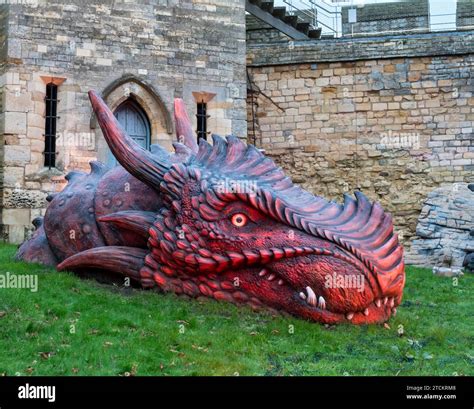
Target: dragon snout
331,289
317,283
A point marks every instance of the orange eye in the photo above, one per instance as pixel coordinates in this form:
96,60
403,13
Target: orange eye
239,220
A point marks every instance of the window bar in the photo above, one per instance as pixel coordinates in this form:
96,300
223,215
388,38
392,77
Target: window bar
51,101
202,118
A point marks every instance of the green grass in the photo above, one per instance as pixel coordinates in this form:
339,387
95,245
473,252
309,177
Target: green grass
121,332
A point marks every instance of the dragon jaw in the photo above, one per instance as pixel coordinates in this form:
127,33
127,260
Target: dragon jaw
274,245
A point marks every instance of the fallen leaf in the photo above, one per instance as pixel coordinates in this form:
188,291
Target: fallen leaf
46,355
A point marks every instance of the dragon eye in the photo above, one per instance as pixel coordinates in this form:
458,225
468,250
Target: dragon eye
239,220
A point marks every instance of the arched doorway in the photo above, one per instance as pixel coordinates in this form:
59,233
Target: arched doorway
135,122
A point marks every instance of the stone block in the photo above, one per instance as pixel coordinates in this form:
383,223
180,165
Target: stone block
16,234
15,123
16,155
18,217
13,176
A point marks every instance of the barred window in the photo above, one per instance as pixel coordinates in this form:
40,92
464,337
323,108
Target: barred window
202,118
51,101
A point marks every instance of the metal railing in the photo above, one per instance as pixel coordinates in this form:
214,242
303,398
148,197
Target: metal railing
314,12
329,17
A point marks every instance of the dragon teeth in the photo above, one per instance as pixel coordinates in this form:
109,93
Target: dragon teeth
262,273
378,303
311,296
322,303
385,300
312,300
271,277
280,282
366,312
392,302
350,315
394,311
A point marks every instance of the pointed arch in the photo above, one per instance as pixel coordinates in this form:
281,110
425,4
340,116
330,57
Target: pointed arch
144,95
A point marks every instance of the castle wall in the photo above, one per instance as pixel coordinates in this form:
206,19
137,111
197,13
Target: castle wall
400,16
153,51
391,116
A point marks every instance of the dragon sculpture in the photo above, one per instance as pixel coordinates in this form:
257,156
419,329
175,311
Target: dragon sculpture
224,222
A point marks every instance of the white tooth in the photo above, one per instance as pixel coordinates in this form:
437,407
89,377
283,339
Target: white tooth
378,303
366,312
394,311
262,273
322,303
392,302
350,315
280,282
303,296
385,300
271,277
311,296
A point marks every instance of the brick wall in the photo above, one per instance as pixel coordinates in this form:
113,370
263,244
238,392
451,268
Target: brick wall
394,127
169,48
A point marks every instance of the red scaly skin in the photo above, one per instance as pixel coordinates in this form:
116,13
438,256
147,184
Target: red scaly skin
233,227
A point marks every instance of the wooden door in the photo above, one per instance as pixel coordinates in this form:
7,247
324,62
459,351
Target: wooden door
135,123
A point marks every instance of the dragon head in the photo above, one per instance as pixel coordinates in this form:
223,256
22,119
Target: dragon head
233,227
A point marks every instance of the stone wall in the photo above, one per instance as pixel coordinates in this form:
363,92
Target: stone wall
151,51
3,57
3,33
400,16
395,126
465,14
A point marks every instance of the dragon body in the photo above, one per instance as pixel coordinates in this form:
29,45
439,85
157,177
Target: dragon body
224,222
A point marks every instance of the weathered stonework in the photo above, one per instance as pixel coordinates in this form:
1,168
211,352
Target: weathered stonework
465,14
395,125
401,16
444,230
152,51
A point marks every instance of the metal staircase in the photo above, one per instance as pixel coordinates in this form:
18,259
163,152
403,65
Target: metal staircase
280,18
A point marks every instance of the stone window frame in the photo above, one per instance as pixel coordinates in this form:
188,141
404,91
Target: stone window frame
58,81
202,97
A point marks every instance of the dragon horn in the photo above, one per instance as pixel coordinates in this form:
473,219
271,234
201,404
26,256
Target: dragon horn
141,163
184,129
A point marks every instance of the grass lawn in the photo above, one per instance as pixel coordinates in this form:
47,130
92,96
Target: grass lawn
72,326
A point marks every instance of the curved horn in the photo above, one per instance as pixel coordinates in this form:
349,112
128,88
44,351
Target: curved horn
141,163
184,128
